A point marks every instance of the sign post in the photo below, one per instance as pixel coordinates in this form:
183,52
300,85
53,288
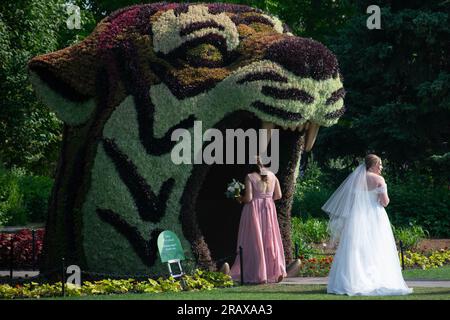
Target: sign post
171,252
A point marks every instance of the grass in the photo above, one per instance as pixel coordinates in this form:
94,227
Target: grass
442,273
268,292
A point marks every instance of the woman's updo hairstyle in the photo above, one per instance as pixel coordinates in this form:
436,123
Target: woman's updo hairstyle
259,167
371,160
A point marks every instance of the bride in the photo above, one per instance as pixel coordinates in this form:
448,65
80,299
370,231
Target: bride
366,260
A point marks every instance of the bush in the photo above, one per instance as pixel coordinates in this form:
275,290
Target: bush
410,236
314,230
311,193
12,210
416,199
436,259
22,248
199,280
36,192
23,198
304,233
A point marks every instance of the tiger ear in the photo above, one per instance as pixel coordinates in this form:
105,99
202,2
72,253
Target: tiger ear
65,81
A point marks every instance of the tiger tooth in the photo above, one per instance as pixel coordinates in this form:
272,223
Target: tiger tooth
311,135
300,127
265,138
292,128
307,123
267,125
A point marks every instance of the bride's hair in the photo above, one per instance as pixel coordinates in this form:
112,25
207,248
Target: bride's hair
371,160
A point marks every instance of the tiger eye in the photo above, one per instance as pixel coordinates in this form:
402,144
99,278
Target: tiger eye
261,27
205,52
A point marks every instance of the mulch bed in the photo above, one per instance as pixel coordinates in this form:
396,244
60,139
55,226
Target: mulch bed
433,244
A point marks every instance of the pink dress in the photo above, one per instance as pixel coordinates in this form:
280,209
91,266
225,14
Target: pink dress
260,238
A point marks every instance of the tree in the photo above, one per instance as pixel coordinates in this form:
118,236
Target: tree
397,82
29,133
308,18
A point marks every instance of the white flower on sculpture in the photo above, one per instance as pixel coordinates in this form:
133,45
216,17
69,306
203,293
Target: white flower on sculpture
166,30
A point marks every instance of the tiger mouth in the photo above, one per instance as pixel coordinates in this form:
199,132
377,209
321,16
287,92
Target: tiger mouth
308,129
204,203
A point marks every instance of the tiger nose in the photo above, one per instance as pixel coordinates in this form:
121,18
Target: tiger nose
304,57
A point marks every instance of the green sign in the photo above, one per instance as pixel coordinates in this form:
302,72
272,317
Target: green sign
169,246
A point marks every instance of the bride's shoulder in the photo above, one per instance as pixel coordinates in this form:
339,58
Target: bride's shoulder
380,181
375,180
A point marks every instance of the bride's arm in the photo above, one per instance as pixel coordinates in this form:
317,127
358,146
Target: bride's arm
383,196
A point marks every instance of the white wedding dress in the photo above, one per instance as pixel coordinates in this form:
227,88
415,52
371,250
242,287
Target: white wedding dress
366,261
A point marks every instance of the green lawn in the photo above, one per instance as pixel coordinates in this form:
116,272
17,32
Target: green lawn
270,292
442,273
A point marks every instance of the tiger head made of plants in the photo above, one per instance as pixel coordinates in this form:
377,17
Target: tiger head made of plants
146,71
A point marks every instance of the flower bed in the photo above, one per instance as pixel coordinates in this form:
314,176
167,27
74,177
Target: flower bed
315,267
434,259
320,267
199,280
22,248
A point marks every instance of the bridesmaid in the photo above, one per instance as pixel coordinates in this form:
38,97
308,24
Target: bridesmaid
259,232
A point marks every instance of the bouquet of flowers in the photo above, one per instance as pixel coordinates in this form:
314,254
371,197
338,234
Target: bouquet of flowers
234,189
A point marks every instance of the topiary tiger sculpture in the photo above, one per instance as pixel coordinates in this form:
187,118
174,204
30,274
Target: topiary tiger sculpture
145,71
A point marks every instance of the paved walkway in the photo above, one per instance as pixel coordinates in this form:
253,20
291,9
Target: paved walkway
16,229
19,274
410,283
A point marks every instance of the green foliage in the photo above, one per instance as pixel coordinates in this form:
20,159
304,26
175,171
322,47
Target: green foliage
23,198
149,286
36,192
217,279
397,82
305,233
416,199
27,129
314,19
410,236
311,193
106,286
312,230
435,259
440,164
196,282
199,280
30,134
12,210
